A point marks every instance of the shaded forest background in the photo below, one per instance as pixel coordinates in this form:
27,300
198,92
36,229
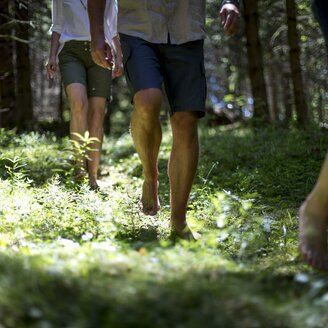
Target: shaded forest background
73,257
274,71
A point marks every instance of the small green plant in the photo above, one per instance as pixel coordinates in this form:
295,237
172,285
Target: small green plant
17,173
16,169
79,152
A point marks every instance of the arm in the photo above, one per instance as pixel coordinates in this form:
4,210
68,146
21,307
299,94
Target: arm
229,14
52,61
56,28
100,50
118,65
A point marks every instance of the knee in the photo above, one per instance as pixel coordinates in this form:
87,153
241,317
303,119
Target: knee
79,105
147,103
184,121
96,113
97,105
184,127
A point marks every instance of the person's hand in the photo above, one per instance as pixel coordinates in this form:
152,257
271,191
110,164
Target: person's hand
51,68
101,52
229,14
118,66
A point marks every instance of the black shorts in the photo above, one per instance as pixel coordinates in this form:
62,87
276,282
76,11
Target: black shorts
180,67
76,66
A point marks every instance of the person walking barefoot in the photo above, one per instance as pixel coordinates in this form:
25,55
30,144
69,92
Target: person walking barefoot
87,85
162,43
313,223
313,213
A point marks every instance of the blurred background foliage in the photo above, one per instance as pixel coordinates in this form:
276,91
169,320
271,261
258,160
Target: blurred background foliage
272,72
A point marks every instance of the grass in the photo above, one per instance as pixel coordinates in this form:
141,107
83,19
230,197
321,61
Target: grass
71,257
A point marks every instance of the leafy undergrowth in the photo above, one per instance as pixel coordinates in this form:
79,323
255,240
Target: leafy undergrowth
72,257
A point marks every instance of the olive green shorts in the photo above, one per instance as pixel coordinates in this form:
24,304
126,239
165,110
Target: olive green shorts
76,66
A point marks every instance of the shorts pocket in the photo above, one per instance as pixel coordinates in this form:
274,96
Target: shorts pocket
203,76
127,52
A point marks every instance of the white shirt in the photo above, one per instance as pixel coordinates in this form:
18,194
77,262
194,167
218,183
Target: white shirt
70,20
156,21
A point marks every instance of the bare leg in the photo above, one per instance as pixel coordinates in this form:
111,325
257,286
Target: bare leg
96,116
313,222
147,135
78,102
182,168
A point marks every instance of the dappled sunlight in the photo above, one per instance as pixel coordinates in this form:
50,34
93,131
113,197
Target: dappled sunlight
95,249
93,234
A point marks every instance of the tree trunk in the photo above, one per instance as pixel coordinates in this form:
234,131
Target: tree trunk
287,96
7,82
255,60
273,93
320,104
295,65
23,107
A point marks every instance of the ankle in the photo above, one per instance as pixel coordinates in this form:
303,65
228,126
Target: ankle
178,222
317,199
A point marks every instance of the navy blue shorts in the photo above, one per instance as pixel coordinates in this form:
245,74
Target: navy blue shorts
180,67
320,9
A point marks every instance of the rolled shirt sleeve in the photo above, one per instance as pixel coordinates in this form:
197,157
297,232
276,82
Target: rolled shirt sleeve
110,20
70,20
57,16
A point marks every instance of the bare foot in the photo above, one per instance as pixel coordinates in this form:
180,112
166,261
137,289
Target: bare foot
93,184
149,200
183,231
313,235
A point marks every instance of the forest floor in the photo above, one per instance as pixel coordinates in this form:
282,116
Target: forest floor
72,257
